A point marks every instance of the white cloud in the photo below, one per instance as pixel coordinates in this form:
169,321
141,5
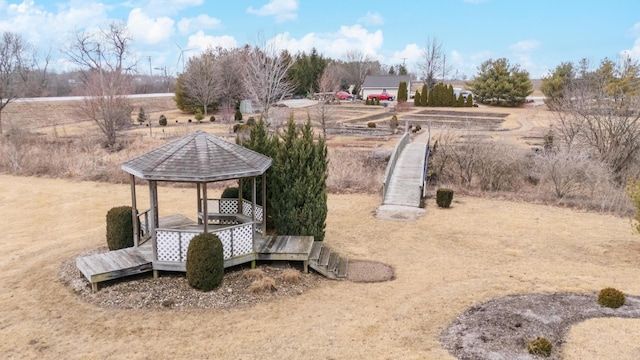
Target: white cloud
525,46
522,51
334,45
149,30
46,29
201,41
634,52
283,10
201,22
163,7
371,19
409,56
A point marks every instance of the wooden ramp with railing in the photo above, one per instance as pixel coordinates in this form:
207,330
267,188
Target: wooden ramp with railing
406,180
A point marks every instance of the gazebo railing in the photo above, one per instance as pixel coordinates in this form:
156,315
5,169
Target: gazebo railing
172,244
230,206
144,233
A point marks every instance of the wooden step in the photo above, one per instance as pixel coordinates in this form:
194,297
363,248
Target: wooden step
334,258
323,260
343,265
315,251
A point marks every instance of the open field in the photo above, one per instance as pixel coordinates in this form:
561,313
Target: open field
445,262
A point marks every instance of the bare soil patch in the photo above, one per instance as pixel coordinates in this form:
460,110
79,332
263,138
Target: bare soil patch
369,271
500,328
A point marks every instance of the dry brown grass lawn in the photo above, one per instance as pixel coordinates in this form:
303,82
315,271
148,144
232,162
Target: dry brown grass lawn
445,262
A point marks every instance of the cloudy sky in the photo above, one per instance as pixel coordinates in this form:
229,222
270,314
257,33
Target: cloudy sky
538,35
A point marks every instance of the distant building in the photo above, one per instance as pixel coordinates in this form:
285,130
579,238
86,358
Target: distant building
376,84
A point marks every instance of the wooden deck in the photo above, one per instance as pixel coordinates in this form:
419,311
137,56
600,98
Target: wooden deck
405,187
285,248
115,264
132,261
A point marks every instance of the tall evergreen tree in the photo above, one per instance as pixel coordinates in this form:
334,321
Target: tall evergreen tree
260,142
469,102
300,171
425,96
402,91
417,98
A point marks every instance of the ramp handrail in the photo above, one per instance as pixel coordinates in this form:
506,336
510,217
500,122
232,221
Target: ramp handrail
404,140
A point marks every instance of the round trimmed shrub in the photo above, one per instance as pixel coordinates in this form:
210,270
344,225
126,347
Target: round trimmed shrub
610,297
251,121
371,124
212,118
119,228
230,193
444,197
162,121
205,262
539,346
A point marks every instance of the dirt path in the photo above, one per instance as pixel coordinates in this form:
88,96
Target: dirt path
444,263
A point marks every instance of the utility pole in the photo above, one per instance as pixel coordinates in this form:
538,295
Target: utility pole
150,71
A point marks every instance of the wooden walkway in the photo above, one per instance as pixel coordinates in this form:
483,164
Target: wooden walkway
405,186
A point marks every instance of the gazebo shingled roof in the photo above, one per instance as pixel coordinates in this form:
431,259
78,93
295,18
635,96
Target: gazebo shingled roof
198,157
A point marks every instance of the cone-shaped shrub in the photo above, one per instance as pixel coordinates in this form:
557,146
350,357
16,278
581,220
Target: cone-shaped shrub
205,262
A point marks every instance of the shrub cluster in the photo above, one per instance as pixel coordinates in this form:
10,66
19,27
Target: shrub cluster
444,197
539,346
119,228
205,262
611,298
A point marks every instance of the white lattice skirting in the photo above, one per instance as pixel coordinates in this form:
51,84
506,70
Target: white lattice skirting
173,244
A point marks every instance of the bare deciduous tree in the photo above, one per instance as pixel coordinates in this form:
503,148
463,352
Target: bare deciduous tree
329,83
265,76
106,103
200,80
103,59
433,63
229,84
569,172
14,65
359,66
596,118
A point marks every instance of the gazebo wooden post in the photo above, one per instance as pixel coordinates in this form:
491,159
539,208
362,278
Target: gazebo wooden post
253,217
153,208
264,203
239,196
199,204
134,212
205,209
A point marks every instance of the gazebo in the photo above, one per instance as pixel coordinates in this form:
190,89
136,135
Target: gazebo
161,243
199,158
